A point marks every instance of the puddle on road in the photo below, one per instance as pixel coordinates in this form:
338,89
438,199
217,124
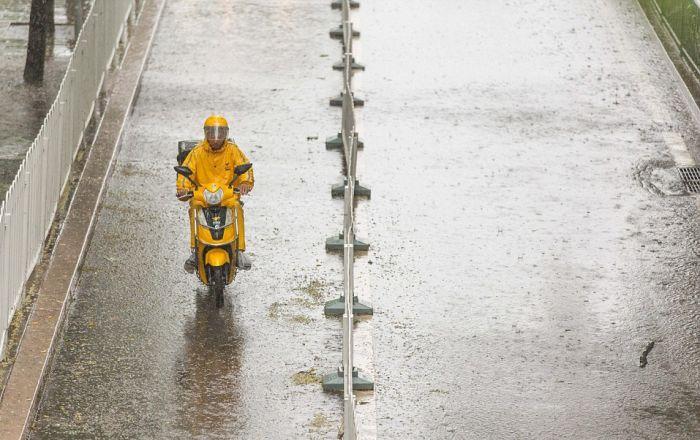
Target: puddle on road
659,177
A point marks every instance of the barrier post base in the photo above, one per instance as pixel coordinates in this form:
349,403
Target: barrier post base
360,191
338,101
338,4
336,142
336,243
334,382
337,33
336,307
354,66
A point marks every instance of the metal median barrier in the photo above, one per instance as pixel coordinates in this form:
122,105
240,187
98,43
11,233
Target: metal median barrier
682,18
30,203
347,378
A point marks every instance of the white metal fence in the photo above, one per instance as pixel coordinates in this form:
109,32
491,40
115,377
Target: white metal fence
31,201
350,152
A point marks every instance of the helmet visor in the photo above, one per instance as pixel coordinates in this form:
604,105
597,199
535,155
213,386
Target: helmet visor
216,133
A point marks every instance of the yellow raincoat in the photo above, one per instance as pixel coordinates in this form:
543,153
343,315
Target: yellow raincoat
209,166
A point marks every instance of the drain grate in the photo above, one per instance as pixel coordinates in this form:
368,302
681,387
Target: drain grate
690,176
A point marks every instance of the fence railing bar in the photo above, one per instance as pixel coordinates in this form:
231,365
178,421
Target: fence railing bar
31,201
349,148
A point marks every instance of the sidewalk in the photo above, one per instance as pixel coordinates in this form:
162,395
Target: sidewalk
20,395
29,104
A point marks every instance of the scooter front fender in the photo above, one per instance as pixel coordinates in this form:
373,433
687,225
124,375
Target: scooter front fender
216,258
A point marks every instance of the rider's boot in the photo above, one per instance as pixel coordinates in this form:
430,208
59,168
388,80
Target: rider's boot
243,261
191,263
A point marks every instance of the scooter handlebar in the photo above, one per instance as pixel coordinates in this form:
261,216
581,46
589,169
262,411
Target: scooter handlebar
186,196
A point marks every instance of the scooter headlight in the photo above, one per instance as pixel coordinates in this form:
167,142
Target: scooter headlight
213,198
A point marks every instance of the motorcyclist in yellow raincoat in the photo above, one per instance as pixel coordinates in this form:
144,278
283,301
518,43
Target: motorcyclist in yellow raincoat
213,161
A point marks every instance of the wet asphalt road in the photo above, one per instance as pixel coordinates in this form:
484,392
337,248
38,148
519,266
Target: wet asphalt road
528,236
524,250
144,354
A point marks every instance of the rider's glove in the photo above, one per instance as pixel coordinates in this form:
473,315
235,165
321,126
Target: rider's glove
244,188
183,194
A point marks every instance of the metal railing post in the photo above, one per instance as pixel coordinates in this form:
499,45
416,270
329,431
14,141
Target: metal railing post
348,420
4,275
347,305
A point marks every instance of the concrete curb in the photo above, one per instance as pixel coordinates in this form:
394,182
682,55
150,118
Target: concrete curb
22,391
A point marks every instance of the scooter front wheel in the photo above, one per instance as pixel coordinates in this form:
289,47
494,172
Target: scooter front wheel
218,282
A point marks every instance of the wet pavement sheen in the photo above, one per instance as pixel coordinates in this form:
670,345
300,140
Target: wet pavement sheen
524,248
144,353
526,240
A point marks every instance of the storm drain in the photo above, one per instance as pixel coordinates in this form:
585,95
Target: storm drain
690,176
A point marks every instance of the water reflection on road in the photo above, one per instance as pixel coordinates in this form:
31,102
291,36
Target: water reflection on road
209,370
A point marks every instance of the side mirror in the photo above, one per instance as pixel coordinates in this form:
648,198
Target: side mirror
185,171
242,169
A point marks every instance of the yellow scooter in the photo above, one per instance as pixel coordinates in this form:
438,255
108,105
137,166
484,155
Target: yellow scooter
216,231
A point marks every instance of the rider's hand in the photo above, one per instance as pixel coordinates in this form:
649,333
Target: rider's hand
244,188
183,194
